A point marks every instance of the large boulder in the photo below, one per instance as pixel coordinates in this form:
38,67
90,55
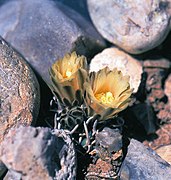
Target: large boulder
45,30
77,5
135,26
19,90
38,153
143,163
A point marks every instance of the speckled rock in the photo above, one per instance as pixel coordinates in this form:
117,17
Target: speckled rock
19,90
143,163
44,31
38,153
115,58
135,26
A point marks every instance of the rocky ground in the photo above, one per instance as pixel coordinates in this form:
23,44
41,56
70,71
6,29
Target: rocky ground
135,38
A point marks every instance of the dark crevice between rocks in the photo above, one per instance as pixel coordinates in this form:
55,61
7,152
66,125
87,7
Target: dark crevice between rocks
167,72
83,161
46,96
137,128
77,5
3,174
141,94
87,47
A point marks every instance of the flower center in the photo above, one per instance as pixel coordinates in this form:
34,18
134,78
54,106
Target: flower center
105,98
68,74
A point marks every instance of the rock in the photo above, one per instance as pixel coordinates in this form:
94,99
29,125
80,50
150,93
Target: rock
38,153
109,140
142,114
164,153
135,26
115,58
44,31
77,5
143,163
19,90
155,77
167,89
101,170
157,70
109,155
164,114
162,137
12,175
157,63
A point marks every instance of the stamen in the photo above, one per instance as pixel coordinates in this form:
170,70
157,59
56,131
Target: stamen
105,98
68,73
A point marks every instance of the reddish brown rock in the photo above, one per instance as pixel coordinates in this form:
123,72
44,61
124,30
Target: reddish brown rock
102,169
19,90
165,114
157,71
167,89
161,63
163,137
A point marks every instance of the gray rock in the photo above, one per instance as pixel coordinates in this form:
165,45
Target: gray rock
12,175
143,163
19,90
44,31
109,139
77,5
38,153
135,26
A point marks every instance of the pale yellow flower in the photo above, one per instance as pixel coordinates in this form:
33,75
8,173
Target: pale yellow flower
107,93
68,75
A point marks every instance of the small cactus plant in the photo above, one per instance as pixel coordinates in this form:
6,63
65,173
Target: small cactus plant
86,101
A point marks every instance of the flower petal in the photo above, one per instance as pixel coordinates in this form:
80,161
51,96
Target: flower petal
68,75
107,93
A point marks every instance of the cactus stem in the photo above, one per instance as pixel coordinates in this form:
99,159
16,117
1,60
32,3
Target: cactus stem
87,135
94,127
74,129
88,120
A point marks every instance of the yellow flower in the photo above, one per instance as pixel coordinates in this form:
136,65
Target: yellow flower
107,93
68,75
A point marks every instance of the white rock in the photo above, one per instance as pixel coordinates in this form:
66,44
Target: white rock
115,58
